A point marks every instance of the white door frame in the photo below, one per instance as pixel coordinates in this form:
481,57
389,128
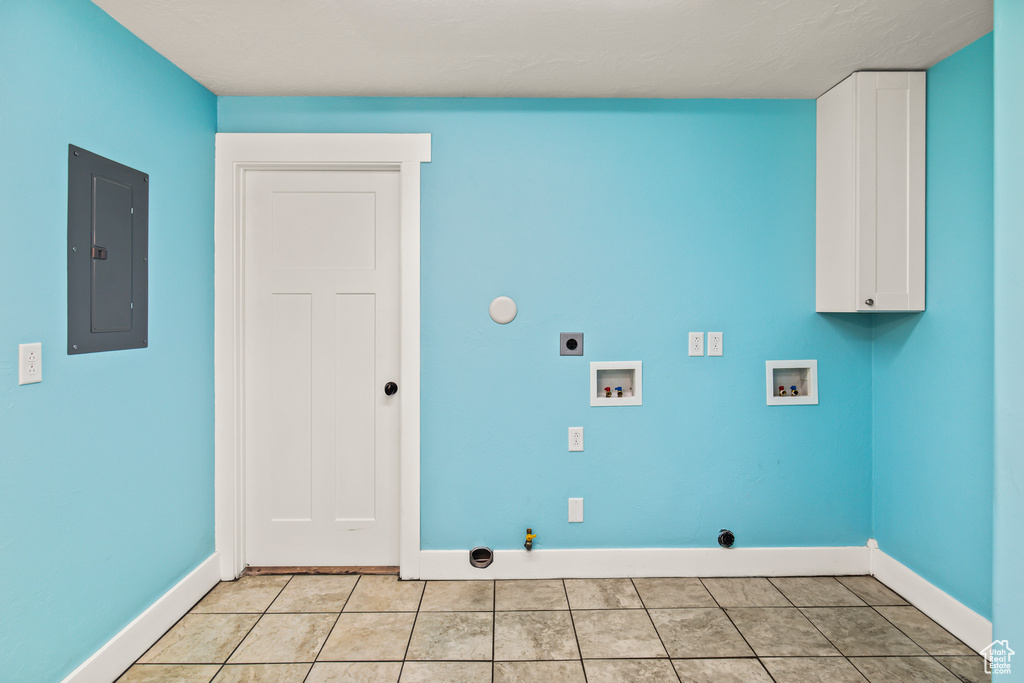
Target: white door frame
237,154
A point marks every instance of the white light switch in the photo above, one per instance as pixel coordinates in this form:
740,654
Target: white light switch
30,363
575,509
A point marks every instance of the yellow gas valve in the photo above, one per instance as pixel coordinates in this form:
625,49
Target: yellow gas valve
529,539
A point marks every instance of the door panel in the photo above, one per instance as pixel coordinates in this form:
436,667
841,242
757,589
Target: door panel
355,318
291,372
321,340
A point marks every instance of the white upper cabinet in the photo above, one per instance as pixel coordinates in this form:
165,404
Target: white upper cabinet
870,193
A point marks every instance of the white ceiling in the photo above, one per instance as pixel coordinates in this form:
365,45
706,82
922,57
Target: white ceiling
547,48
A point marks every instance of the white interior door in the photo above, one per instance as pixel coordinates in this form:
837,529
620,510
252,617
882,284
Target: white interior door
321,341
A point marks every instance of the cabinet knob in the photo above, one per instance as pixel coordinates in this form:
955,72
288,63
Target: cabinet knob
869,302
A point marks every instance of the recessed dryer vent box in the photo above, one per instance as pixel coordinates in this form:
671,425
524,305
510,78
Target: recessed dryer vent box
782,375
627,374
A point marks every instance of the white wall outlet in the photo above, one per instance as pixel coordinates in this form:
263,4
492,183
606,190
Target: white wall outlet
714,343
575,509
696,343
575,439
30,363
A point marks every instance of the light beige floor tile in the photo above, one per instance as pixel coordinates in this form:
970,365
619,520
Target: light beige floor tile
355,672
871,590
746,592
602,594
934,639
721,671
170,673
446,672
803,669
633,670
780,632
903,670
969,669
369,636
816,591
452,635
670,593
699,632
458,596
860,632
534,635
282,638
385,594
322,593
543,594
604,634
249,594
538,672
263,673
200,639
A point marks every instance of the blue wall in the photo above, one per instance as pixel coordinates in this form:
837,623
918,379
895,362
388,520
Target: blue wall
634,222
106,468
932,395
1008,589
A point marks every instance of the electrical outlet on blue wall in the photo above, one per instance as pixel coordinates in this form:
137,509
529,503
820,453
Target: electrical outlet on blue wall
575,439
696,344
714,343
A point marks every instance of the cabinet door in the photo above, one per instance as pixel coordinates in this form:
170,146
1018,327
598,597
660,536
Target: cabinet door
890,191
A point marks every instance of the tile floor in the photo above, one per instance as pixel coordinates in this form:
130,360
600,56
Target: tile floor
315,629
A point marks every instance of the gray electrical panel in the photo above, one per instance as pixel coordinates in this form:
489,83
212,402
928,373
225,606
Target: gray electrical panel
108,244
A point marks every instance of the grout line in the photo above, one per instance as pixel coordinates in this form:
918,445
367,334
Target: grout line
655,627
247,633
180,619
415,620
841,653
941,663
818,629
726,613
779,591
905,602
258,619
286,584
572,620
911,639
494,624
336,619
221,665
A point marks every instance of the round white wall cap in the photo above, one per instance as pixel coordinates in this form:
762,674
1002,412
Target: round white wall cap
503,310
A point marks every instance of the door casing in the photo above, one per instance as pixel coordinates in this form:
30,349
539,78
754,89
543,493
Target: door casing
237,154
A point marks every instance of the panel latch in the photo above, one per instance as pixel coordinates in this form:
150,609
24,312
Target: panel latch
99,253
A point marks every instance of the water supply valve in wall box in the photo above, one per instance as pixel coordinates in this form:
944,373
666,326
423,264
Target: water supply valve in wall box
570,344
616,383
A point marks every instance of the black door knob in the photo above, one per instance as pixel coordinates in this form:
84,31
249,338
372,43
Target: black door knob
390,388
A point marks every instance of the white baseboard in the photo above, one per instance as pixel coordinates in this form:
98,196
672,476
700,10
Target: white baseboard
629,562
960,620
112,659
